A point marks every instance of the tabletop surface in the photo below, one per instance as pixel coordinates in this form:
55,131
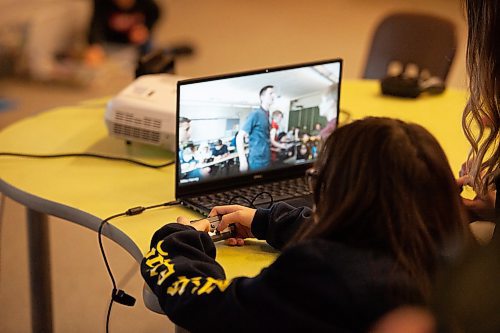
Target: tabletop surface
87,190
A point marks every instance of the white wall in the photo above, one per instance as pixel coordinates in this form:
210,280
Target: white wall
232,35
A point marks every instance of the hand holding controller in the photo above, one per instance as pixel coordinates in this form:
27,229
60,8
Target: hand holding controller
214,222
238,216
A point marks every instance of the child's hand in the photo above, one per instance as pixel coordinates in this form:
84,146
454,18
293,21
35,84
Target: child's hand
241,217
481,208
201,225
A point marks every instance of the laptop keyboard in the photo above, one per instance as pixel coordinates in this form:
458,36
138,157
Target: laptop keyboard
258,195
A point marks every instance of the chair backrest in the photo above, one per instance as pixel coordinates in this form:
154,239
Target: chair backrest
425,40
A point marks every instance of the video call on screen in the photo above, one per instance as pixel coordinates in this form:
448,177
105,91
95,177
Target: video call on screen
282,127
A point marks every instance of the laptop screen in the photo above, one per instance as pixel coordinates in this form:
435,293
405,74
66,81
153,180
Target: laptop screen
237,128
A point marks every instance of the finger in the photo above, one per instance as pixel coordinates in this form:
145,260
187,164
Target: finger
235,242
464,180
183,220
463,170
222,210
475,204
467,202
231,242
202,225
228,219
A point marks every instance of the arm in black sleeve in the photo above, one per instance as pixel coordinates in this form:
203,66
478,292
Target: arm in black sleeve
193,292
278,224
191,287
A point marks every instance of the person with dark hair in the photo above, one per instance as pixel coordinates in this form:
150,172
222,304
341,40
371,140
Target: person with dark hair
220,149
303,152
125,22
257,129
386,215
184,131
468,294
316,130
481,118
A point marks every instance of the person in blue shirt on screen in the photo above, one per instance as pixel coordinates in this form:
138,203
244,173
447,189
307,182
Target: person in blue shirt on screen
256,128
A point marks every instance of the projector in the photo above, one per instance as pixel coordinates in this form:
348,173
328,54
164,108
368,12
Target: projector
145,111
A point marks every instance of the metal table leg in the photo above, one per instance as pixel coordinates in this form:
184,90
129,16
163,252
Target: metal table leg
40,277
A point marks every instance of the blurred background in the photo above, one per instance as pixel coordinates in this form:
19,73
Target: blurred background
226,36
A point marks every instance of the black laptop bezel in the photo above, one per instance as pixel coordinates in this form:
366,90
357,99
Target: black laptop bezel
250,178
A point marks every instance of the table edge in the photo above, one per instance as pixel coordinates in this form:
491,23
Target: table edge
71,214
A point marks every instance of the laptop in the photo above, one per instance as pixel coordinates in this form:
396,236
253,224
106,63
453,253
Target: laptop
248,138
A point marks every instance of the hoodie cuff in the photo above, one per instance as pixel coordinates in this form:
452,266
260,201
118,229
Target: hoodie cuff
260,223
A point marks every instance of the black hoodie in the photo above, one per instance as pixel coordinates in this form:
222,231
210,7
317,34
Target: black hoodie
313,286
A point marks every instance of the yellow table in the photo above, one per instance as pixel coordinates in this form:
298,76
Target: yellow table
85,190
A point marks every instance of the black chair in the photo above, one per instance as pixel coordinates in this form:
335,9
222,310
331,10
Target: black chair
425,40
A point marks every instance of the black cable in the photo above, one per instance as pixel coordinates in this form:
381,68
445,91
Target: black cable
251,203
108,314
230,202
113,158
261,193
118,295
101,246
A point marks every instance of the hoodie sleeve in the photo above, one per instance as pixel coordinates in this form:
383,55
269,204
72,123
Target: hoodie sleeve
278,224
191,287
193,292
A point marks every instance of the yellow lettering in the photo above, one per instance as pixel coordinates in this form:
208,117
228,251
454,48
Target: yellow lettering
178,286
167,272
151,253
155,263
196,282
211,284
159,249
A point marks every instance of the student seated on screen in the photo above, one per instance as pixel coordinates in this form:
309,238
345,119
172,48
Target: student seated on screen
220,149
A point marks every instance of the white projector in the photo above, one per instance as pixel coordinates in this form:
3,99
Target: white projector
145,111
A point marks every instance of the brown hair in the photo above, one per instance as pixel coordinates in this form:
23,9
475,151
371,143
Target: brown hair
483,107
386,185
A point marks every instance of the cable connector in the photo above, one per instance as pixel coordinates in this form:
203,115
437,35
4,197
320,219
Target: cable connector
119,296
171,203
135,210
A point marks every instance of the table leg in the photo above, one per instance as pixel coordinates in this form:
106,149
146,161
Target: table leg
40,277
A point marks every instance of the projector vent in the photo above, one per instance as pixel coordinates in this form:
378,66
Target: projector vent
139,133
129,118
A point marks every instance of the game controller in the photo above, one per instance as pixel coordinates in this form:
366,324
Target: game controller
215,234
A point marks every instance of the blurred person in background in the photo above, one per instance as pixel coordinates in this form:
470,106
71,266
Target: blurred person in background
118,23
68,41
55,37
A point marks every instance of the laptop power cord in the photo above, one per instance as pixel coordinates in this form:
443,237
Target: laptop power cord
118,295
91,155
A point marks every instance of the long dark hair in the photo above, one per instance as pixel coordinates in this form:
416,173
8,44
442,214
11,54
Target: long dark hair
481,118
386,185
